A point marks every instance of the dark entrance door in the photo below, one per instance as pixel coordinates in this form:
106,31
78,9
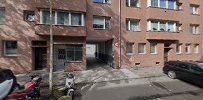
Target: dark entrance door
166,50
40,57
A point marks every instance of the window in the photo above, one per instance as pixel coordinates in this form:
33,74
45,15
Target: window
101,1
154,26
162,26
178,48
154,3
101,23
29,16
45,17
10,48
132,3
196,48
171,27
129,48
2,15
153,48
187,48
141,48
194,9
62,18
132,25
74,52
194,29
168,4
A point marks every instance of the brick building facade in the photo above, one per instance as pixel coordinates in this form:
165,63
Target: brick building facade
152,31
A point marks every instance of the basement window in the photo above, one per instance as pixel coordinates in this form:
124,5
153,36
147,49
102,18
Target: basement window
10,48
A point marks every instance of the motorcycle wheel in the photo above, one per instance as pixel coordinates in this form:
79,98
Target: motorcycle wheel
71,94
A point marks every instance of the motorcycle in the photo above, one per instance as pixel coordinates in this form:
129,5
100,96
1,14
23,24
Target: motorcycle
11,90
31,90
69,85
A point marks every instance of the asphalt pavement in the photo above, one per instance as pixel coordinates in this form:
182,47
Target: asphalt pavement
155,88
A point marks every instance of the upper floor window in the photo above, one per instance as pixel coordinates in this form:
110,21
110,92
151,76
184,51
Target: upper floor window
154,25
101,1
10,48
168,4
132,3
101,22
29,16
194,9
132,25
129,48
62,18
194,29
2,15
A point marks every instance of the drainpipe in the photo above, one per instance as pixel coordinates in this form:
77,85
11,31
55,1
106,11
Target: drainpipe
120,36
51,49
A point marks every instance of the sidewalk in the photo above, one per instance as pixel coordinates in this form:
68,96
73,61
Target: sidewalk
97,75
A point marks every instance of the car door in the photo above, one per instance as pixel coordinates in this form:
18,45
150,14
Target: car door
184,70
196,74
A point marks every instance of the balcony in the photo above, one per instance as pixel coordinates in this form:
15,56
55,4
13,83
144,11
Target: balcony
61,30
74,5
165,14
162,36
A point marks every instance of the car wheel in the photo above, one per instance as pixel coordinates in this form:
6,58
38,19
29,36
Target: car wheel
171,74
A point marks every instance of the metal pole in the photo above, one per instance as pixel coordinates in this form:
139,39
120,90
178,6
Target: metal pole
51,49
120,34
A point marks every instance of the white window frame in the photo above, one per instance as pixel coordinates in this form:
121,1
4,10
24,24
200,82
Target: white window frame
3,9
4,45
103,1
129,25
196,48
195,29
104,23
159,4
155,45
132,44
144,48
149,26
195,9
179,48
129,3
56,15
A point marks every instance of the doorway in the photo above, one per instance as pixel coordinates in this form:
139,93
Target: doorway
40,58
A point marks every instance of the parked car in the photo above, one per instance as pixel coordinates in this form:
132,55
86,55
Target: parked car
188,71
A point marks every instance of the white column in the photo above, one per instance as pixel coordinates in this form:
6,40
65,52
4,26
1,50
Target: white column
129,3
166,26
56,15
41,17
129,27
158,3
149,25
158,25
148,3
175,6
82,20
174,26
104,24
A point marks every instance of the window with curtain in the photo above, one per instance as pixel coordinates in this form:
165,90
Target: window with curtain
132,25
2,15
141,48
129,48
76,19
10,48
46,17
153,48
63,18
101,22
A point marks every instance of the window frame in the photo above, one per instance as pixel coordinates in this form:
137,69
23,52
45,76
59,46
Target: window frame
195,9
179,48
196,48
5,49
166,4
103,2
128,4
188,45
194,29
128,25
144,49
26,12
132,48
155,48
158,22
55,12
104,22
4,16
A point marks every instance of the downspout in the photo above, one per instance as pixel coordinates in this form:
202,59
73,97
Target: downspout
120,36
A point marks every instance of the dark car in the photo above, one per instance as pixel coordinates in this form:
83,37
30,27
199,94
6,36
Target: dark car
188,71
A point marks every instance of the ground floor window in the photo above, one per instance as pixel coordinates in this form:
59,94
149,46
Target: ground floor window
153,48
141,48
10,48
187,48
129,48
196,48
